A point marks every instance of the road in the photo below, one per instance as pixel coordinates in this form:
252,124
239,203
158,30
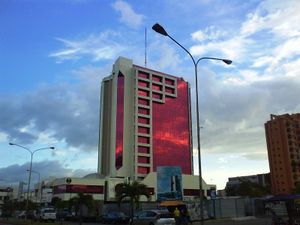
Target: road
234,221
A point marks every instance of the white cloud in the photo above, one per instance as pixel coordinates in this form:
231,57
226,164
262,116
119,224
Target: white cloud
3,137
262,61
234,48
292,69
98,47
280,17
288,50
209,33
128,15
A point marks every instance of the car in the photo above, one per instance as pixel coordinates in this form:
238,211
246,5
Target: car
47,214
30,215
21,215
153,217
65,214
114,218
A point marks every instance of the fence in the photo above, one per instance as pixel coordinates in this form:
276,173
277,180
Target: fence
217,208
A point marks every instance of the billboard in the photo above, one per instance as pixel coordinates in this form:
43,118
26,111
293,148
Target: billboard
169,183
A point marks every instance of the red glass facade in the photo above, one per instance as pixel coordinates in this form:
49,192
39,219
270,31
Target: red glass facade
160,107
163,122
89,189
120,122
171,130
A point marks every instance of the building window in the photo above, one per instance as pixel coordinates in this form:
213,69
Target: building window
143,120
143,93
170,90
156,78
169,81
142,101
143,149
143,75
157,95
143,111
143,130
143,159
156,87
143,170
145,140
143,83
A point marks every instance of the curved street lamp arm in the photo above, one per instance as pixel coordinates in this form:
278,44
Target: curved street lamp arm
21,146
39,149
227,61
184,50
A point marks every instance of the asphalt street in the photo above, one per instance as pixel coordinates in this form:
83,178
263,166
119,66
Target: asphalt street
232,221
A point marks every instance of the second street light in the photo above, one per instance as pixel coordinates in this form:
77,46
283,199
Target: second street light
159,29
30,168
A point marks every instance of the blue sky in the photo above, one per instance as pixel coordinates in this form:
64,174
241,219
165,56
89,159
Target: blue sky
54,55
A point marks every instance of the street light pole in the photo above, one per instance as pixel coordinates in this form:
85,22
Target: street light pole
30,169
159,29
39,180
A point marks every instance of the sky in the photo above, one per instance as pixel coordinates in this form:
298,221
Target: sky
54,54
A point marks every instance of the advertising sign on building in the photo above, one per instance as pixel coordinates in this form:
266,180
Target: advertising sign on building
169,183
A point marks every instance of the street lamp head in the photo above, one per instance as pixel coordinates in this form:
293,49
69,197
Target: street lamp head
11,143
159,29
52,147
227,61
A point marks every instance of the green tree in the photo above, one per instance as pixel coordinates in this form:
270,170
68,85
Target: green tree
81,201
58,203
296,190
247,188
132,192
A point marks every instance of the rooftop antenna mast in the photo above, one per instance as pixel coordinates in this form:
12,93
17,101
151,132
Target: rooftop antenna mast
145,47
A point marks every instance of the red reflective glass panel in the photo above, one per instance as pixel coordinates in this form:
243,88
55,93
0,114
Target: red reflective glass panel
156,87
171,131
169,90
145,140
143,170
85,189
169,81
143,83
143,93
143,120
143,159
143,75
143,130
157,95
156,78
142,101
120,122
92,189
143,111
143,149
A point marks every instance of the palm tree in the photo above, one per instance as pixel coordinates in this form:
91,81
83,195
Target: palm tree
80,201
133,191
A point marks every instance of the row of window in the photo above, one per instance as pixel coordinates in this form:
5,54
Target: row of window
156,78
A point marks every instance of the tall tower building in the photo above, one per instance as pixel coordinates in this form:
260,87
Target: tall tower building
145,122
283,142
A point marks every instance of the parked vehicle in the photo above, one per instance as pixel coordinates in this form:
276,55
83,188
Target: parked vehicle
47,214
30,215
114,218
154,217
64,214
21,215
